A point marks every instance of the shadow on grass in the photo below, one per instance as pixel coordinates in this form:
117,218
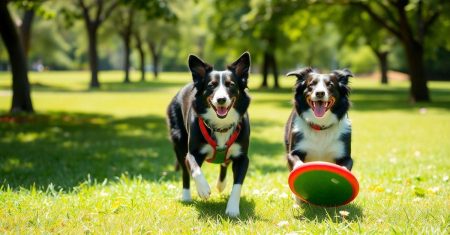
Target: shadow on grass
214,210
64,148
320,214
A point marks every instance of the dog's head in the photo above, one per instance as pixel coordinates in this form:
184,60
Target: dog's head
322,92
220,93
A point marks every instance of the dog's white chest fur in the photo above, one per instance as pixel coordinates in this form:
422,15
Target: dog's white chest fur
222,138
322,145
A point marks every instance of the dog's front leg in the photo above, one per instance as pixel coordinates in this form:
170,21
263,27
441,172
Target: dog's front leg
240,166
295,159
346,162
202,185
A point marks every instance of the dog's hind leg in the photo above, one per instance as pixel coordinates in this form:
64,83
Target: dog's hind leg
181,153
221,183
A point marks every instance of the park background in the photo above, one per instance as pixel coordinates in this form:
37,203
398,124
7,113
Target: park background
84,86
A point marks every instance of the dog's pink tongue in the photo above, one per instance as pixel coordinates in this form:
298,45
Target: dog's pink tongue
222,111
319,109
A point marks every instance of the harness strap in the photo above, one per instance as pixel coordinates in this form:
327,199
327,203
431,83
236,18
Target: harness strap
219,155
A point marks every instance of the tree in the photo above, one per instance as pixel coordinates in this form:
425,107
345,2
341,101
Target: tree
21,101
141,51
25,26
410,22
158,32
94,13
123,22
368,32
256,24
143,12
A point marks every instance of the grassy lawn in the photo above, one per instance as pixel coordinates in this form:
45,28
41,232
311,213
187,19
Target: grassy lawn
100,162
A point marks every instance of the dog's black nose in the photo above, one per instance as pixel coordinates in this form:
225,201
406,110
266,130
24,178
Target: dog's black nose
221,100
320,94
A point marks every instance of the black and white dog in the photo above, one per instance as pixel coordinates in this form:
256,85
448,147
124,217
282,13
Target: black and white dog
318,128
208,121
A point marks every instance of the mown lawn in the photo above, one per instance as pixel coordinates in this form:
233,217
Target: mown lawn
99,161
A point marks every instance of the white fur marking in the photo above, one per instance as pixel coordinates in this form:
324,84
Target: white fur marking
221,91
186,195
320,86
297,164
323,145
233,202
203,189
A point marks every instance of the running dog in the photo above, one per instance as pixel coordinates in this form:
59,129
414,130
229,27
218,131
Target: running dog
208,120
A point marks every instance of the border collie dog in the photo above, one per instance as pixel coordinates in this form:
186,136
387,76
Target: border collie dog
318,128
208,121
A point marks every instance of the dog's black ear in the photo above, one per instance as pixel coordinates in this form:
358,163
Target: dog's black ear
241,68
199,69
300,74
343,76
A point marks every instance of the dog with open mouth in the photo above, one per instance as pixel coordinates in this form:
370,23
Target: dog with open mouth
208,121
318,128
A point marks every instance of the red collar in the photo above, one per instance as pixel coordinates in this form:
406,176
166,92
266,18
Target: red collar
223,157
318,127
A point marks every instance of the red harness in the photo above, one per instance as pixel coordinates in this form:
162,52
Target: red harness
219,154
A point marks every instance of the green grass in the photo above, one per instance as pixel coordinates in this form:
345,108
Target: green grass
100,162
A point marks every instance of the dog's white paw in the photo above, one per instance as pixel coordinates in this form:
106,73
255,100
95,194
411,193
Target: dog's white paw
297,165
220,185
186,195
233,202
203,189
232,210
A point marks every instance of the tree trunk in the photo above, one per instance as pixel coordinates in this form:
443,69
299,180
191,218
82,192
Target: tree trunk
419,89
21,100
155,58
270,62
93,56
155,65
126,41
265,70
25,29
274,70
141,51
382,60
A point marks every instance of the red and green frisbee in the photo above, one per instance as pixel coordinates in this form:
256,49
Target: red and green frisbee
323,184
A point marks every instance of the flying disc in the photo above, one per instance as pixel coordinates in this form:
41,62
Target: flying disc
323,184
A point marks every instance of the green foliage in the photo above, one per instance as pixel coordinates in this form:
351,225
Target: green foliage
359,60
100,162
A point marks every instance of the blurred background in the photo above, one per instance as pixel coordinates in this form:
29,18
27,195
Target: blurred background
380,39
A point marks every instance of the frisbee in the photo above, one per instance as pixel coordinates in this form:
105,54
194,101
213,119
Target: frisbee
323,184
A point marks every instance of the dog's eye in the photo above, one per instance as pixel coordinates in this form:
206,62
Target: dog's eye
229,84
330,84
212,84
